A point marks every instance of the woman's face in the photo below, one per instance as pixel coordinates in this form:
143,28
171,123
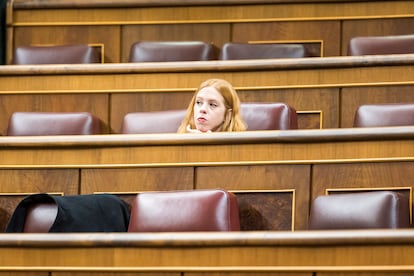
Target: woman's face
209,109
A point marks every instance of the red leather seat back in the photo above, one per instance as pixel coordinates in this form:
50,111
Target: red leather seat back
233,51
40,217
360,210
61,54
258,116
192,210
269,116
161,51
152,122
381,45
379,115
52,123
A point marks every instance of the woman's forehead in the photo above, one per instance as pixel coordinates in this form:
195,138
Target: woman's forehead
210,93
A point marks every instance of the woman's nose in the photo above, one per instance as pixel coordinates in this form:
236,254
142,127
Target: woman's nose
203,108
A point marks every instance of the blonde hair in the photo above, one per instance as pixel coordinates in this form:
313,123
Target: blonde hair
232,121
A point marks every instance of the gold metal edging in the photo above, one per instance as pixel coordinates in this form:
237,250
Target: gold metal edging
320,112
292,268
210,164
211,21
178,90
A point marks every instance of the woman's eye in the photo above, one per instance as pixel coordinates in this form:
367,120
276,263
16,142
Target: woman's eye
213,105
198,102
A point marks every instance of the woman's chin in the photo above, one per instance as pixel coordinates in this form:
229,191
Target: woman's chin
203,129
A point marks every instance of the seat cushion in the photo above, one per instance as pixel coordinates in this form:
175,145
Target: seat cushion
193,210
269,116
360,210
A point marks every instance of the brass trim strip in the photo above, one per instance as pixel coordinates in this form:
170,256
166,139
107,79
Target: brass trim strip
178,90
297,268
211,21
210,164
31,193
320,112
102,47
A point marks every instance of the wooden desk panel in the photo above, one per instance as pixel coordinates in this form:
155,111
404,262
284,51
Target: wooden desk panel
96,104
322,90
303,161
354,97
20,182
118,24
388,252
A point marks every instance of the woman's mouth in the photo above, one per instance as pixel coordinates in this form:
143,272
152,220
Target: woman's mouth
201,120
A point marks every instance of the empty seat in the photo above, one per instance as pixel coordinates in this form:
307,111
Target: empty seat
59,54
42,213
360,210
233,51
191,210
379,115
52,123
166,121
269,116
258,116
160,51
381,45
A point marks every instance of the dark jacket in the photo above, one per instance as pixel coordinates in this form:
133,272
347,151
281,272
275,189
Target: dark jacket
77,213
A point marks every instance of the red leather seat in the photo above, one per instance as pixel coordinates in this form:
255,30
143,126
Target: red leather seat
381,45
52,123
379,115
233,51
360,210
160,51
166,121
40,217
59,54
191,210
269,116
258,116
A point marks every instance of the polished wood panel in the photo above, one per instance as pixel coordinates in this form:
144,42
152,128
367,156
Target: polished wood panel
96,104
275,174
375,27
18,183
388,252
118,24
324,91
380,175
352,98
262,177
218,34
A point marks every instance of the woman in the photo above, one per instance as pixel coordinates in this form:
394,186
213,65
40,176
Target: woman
215,106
